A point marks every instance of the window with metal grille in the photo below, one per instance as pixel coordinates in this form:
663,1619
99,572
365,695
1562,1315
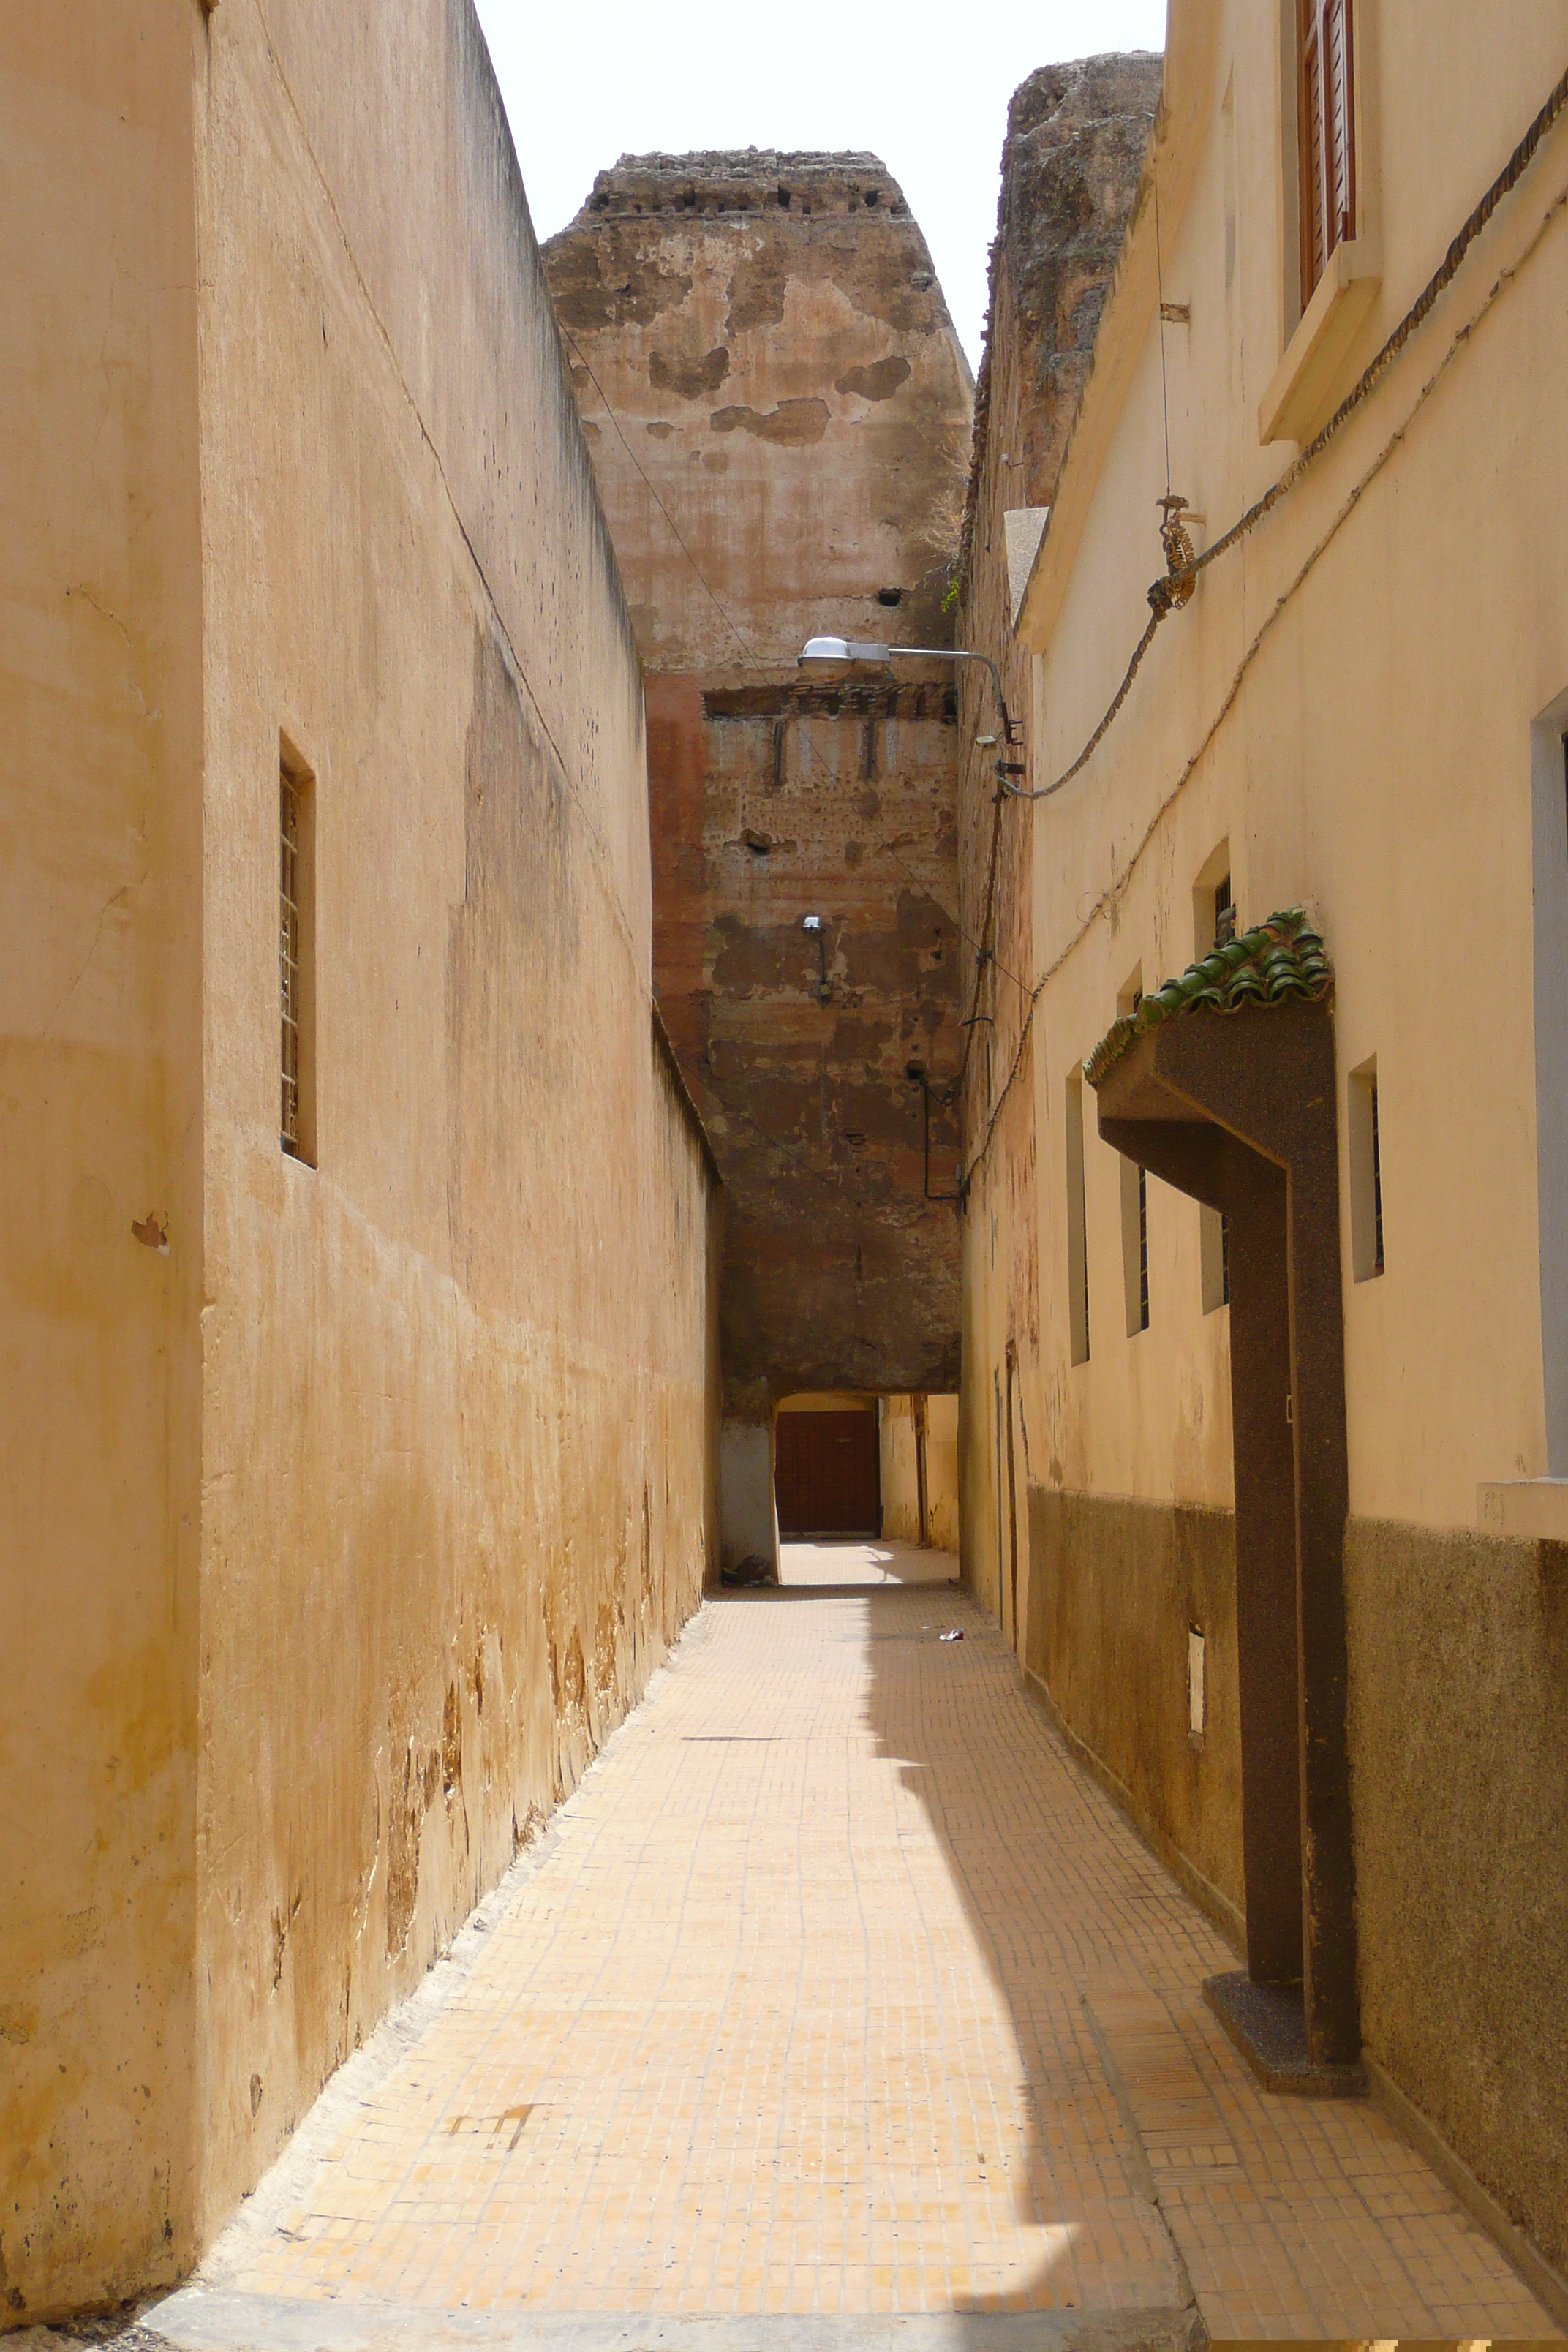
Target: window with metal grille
1376,1184
1366,1172
1077,1223
1215,902
296,958
1223,911
1134,1208
1325,132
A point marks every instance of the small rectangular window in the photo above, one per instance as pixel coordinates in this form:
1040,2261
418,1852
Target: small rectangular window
1214,901
297,956
1224,912
1366,1173
1214,1259
1077,1222
1134,1208
1325,69
1214,923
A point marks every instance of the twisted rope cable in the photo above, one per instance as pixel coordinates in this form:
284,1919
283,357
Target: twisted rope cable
1172,589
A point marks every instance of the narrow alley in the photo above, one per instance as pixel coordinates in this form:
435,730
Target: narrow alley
836,1987
784,1218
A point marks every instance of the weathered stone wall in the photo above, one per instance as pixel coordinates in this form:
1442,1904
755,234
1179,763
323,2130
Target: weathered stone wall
779,416
362,1497
1076,135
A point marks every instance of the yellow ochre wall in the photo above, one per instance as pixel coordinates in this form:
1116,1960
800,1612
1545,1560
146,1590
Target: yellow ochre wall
1372,757
900,1471
101,845
353,1525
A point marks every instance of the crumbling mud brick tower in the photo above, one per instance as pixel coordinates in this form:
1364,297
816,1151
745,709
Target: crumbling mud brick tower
780,412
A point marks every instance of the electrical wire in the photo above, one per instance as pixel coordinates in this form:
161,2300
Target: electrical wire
1172,590
1109,896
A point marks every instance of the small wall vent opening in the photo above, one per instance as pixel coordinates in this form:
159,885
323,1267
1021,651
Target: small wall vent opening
1365,1172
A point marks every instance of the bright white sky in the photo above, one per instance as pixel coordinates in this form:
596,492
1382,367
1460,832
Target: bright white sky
924,84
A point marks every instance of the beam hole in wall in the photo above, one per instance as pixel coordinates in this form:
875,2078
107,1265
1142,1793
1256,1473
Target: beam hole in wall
890,597
784,199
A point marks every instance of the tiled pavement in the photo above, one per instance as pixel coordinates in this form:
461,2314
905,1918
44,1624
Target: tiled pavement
836,1991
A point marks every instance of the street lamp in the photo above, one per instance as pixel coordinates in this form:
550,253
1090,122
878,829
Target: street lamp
853,649
814,926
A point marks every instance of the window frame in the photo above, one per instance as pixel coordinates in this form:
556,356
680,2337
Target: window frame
1318,212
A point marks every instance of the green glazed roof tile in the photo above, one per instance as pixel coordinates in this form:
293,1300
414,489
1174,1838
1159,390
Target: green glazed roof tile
1276,962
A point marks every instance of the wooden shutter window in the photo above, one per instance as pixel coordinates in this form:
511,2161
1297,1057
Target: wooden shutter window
1326,133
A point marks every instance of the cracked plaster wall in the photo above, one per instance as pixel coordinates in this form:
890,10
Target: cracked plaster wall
359,1500
100,1203
1077,134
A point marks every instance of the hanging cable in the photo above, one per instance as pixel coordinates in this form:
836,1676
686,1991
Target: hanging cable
1501,286
1166,595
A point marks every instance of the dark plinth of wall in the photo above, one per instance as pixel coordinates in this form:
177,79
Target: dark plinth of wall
1459,1703
1116,1587
780,415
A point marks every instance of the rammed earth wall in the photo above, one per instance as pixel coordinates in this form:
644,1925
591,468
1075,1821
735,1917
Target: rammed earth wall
354,1502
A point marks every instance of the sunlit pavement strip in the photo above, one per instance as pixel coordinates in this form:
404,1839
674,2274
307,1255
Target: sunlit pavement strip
790,2034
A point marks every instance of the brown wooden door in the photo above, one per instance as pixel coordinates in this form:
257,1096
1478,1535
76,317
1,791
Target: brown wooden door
829,1480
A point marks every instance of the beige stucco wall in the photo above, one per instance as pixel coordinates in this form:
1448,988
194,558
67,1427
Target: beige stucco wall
1374,760
380,1495
898,1450
101,696
942,1508
898,1470
1348,771
1070,165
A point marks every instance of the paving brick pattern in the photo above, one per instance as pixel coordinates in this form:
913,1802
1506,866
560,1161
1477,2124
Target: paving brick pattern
841,1989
